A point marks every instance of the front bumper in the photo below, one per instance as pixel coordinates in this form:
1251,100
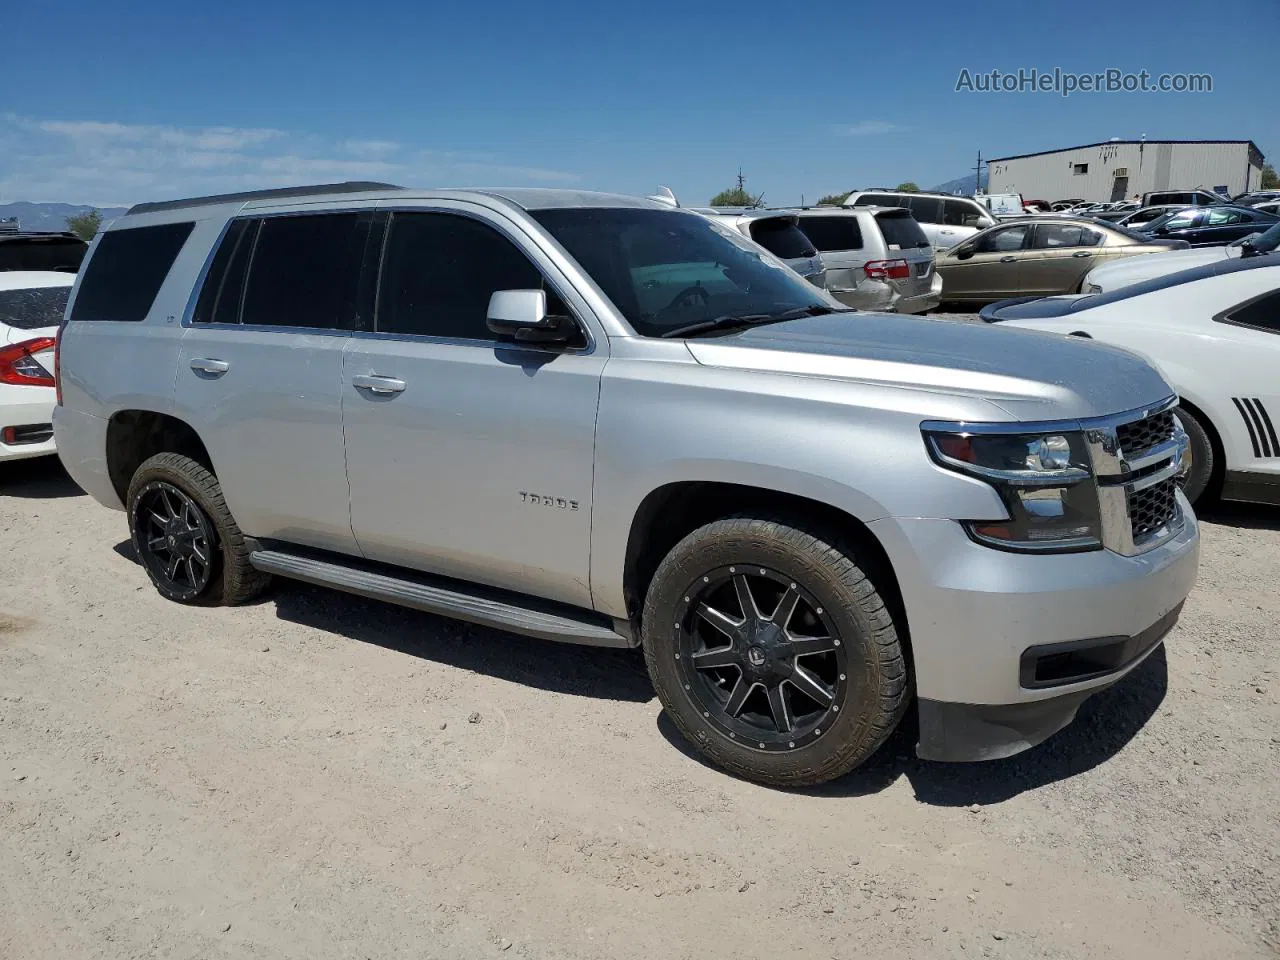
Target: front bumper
973,612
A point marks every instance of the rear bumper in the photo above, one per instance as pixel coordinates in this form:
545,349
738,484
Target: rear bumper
921,302
868,295
28,409
82,446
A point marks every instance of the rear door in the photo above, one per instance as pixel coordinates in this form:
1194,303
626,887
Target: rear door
1057,258
260,372
838,239
985,268
906,241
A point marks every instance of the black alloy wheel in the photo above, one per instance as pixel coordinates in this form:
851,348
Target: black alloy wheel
760,658
175,539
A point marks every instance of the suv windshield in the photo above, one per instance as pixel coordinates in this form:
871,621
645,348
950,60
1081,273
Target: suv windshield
665,269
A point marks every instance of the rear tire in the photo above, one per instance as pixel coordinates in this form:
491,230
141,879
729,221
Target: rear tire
186,538
839,699
1199,480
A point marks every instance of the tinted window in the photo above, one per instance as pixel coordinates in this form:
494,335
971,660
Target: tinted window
1003,241
665,269
925,209
880,200
224,285
33,308
1051,236
42,253
1261,314
126,271
901,231
303,272
439,272
832,233
782,238
1218,218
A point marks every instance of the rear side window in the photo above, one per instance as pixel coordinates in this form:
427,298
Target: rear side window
926,209
33,308
304,271
1053,236
223,288
832,233
42,253
880,200
1260,314
782,238
901,231
439,271
126,271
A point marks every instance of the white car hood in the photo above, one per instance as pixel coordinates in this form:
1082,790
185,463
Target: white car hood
1130,270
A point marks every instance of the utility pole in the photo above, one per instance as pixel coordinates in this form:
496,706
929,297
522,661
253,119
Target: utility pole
977,174
742,181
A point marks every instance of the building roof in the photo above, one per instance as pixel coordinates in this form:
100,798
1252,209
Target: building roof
1105,143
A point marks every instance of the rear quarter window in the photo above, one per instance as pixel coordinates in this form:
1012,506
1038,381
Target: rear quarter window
126,271
63,254
1262,313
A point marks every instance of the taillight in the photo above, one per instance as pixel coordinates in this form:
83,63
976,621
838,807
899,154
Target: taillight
19,366
887,269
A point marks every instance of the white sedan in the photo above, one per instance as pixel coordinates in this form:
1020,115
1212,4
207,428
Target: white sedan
1113,274
1214,333
31,307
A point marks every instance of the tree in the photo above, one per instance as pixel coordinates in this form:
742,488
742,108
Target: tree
1269,179
85,225
908,187
834,199
738,196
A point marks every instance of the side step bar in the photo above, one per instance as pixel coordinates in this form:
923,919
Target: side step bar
569,625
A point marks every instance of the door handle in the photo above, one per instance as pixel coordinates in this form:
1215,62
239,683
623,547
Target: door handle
1082,253
214,368
1008,259
380,385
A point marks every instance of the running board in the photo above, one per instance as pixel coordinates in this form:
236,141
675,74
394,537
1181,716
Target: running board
569,626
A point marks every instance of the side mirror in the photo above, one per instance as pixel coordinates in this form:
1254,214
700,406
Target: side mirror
963,254
522,316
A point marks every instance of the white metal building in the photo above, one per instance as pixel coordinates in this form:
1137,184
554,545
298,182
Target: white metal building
1123,169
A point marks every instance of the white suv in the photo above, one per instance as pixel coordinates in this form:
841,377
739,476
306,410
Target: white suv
946,220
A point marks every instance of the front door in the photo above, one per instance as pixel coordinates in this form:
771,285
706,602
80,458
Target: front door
470,457
260,372
1059,256
985,268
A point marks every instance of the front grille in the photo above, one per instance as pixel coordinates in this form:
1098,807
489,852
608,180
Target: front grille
1152,508
1142,435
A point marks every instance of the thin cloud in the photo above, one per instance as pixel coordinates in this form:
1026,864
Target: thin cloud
868,128
106,163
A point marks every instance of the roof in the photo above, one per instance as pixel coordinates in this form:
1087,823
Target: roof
1105,143
28,279
530,198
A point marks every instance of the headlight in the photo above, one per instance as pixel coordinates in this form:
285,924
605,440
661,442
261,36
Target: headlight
1044,479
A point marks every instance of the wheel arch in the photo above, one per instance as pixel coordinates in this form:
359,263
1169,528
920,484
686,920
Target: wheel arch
135,435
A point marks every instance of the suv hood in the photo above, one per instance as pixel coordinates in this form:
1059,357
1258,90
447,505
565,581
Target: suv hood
1030,375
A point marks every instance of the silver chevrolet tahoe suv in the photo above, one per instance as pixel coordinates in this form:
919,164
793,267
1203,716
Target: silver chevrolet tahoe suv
602,420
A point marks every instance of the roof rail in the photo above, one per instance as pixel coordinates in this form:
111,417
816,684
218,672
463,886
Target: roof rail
348,186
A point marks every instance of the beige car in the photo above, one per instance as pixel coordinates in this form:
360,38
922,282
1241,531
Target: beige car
1037,257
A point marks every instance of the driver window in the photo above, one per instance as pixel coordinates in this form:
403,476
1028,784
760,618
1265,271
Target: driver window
1002,241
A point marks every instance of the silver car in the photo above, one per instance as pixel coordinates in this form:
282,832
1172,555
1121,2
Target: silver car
776,232
876,259
946,220
507,406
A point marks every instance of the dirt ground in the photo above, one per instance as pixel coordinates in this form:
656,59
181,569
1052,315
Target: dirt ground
318,776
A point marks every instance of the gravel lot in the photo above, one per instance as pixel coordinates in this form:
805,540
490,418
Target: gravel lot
319,776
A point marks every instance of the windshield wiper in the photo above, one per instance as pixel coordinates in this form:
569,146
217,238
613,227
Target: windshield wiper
735,322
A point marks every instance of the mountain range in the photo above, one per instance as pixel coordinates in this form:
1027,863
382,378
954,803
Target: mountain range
51,216
961,185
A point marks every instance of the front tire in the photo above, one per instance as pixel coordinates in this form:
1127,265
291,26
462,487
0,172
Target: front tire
1199,479
185,537
773,652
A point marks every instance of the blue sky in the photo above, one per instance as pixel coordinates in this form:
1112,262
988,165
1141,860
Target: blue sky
107,105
